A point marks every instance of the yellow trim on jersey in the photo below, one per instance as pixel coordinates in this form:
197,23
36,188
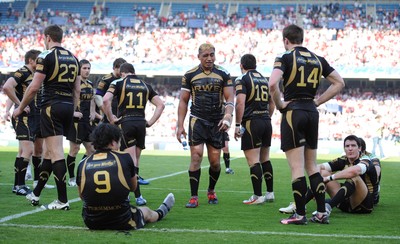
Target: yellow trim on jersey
120,172
253,90
305,54
83,175
147,91
192,69
122,97
56,67
211,75
294,70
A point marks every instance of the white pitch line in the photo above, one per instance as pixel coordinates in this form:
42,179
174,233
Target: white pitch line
272,233
207,231
16,216
36,210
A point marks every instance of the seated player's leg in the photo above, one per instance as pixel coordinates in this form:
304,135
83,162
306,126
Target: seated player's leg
360,193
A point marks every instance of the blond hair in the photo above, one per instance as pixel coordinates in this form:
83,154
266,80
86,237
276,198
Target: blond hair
205,46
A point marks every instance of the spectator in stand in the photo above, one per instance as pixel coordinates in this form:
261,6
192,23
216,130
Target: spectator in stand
377,135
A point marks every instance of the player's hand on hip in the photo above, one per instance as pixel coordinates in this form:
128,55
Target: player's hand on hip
78,115
115,120
17,112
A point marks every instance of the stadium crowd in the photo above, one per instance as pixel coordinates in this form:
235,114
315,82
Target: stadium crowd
364,42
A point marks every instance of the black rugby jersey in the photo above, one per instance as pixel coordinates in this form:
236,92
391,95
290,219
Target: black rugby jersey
105,182
302,71
86,97
255,87
369,177
104,84
132,95
61,68
206,91
102,87
23,76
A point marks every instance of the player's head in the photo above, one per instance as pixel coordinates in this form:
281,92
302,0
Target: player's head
353,138
116,65
292,34
248,62
85,68
206,56
352,147
31,56
52,33
126,69
106,136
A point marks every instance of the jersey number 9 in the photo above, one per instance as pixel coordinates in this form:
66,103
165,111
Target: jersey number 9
102,179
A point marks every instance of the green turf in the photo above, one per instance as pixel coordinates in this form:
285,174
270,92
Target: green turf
230,221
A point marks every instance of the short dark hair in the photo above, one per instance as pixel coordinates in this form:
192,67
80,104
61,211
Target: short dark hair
127,68
248,61
31,54
363,145
293,33
84,61
104,134
117,63
55,32
352,138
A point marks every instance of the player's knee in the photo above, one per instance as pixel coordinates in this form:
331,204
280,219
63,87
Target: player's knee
325,173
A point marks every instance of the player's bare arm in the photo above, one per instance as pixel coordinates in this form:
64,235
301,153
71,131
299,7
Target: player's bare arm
156,101
182,110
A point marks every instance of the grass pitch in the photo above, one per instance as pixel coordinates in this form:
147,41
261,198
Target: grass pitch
229,221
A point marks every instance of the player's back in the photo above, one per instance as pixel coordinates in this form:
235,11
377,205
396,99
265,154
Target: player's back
105,180
132,94
61,69
302,73
257,94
